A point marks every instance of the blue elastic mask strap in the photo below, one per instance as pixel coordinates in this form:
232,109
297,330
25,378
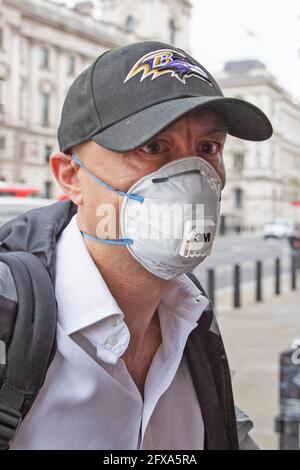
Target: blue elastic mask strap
135,197
119,241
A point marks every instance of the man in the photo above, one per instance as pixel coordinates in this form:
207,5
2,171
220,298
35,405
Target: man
142,132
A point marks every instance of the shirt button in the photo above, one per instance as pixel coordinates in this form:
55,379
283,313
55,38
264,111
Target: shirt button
112,340
112,321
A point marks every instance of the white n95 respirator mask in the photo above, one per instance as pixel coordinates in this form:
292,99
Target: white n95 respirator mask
168,218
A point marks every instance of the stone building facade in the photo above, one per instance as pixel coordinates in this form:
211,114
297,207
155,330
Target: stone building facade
43,47
263,178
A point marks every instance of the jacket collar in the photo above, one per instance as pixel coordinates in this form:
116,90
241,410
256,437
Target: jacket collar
37,231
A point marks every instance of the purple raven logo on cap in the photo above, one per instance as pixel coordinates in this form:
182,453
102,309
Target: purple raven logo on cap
163,61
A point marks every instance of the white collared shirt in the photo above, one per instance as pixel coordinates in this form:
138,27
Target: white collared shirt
89,400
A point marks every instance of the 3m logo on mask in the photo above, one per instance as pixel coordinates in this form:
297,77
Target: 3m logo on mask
197,240
193,248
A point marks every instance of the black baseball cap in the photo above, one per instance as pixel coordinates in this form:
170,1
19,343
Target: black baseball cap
131,93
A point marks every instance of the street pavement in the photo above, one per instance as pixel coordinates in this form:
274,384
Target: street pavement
254,336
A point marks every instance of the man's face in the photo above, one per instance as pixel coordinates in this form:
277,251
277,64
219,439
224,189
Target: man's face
199,133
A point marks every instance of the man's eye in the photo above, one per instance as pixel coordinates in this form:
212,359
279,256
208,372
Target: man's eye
154,148
210,148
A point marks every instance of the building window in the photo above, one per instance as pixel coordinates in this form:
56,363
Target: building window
48,151
258,159
44,109
130,24
71,65
2,96
44,57
238,161
22,150
48,189
238,198
23,50
23,100
2,143
172,27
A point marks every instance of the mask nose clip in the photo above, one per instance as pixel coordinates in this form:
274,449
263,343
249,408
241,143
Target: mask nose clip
176,175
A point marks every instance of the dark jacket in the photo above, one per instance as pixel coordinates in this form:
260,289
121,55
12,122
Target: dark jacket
38,230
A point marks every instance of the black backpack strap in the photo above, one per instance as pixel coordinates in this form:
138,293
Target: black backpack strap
27,334
207,358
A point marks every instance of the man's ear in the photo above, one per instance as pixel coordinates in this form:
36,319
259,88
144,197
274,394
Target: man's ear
65,171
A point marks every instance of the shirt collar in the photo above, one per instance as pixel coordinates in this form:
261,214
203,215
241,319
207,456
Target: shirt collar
184,300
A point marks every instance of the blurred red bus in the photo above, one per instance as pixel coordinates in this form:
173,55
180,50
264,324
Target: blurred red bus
18,190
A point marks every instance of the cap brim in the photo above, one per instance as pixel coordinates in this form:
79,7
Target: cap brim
242,119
